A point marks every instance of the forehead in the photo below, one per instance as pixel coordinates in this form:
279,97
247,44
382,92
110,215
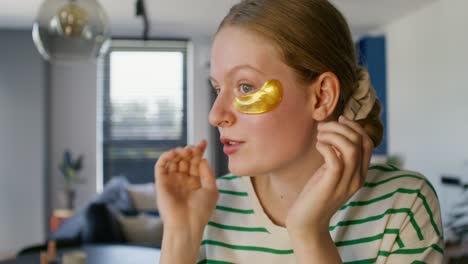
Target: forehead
234,46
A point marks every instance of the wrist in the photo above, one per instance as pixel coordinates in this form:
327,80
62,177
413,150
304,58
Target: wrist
315,244
180,245
183,232
308,235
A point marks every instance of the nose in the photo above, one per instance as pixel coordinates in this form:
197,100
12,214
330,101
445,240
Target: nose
221,113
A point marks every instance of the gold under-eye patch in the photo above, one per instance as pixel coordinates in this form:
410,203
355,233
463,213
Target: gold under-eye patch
262,101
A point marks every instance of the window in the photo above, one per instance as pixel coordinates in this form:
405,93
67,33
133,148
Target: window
145,99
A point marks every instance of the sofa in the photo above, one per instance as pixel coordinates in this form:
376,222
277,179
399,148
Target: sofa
122,213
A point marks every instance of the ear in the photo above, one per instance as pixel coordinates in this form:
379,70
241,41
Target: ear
323,95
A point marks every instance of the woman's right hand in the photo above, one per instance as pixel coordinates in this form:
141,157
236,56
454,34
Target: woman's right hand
186,189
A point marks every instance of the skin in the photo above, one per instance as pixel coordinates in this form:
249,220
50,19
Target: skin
300,184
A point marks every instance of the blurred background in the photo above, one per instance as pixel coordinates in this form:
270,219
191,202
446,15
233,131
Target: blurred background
68,127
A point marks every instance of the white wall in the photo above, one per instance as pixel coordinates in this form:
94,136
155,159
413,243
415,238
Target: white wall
75,124
199,94
427,91
22,142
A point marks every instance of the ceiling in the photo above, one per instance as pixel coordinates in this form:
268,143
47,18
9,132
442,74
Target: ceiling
192,18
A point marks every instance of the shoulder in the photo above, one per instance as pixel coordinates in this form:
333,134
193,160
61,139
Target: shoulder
382,178
406,193
393,200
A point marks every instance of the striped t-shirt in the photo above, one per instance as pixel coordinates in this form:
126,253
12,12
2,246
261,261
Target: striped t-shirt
393,218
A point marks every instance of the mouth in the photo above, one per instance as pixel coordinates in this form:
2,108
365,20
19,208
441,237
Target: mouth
231,146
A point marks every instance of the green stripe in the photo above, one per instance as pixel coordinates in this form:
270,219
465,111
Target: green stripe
418,262
399,242
228,178
359,241
233,192
367,239
409,251
377,217
388,195
374,184
238,228
364,261
234,210
210,261
399,251
378,199
383,168
247,248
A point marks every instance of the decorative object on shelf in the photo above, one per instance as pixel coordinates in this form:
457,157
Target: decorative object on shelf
67,30
58,217
70,168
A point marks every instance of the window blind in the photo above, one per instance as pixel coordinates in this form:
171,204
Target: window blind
144,106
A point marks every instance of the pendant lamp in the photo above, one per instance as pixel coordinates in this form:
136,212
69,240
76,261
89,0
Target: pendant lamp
70,30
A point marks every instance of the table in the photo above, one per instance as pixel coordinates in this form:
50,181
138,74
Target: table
98,254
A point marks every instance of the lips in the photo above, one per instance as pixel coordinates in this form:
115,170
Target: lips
231,145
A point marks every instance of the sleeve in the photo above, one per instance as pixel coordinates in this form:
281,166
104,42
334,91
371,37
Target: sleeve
421,234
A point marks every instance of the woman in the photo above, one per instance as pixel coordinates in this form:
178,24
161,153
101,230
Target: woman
298,119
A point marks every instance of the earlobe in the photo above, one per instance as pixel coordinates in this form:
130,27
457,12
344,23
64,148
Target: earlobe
326,91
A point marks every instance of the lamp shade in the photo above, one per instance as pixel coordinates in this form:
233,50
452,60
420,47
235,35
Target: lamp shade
67,30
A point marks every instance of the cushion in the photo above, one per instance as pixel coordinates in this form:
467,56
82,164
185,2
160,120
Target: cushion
142,229
115,194
143,196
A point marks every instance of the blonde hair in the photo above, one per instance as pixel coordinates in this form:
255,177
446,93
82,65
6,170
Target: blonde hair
313,37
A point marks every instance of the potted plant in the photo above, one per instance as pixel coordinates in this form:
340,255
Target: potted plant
70,169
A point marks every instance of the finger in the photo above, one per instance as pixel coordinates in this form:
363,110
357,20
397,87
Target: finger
367,144
177,157
194,165
350,153
202,146
207,177
186,152
197,152
333,164
182,153
173,167
161,164
341,128
184,166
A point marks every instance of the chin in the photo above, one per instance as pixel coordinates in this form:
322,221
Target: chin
243,168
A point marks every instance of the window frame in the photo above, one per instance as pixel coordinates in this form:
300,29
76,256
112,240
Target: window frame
138,46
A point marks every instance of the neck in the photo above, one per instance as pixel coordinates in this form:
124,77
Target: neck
279,189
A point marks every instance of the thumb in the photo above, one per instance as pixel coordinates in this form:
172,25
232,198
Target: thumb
207,177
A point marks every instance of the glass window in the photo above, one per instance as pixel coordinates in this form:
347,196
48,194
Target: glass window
144,106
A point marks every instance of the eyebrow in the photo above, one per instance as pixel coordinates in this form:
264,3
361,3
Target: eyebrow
237,68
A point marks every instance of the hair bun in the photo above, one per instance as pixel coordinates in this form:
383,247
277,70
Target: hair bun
362,99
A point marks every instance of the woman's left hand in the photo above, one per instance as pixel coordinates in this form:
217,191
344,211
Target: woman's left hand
346,149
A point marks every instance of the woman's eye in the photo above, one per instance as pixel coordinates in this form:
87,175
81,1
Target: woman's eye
216,91
246,89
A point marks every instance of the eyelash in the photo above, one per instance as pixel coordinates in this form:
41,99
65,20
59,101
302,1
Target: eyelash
242,84
215,90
